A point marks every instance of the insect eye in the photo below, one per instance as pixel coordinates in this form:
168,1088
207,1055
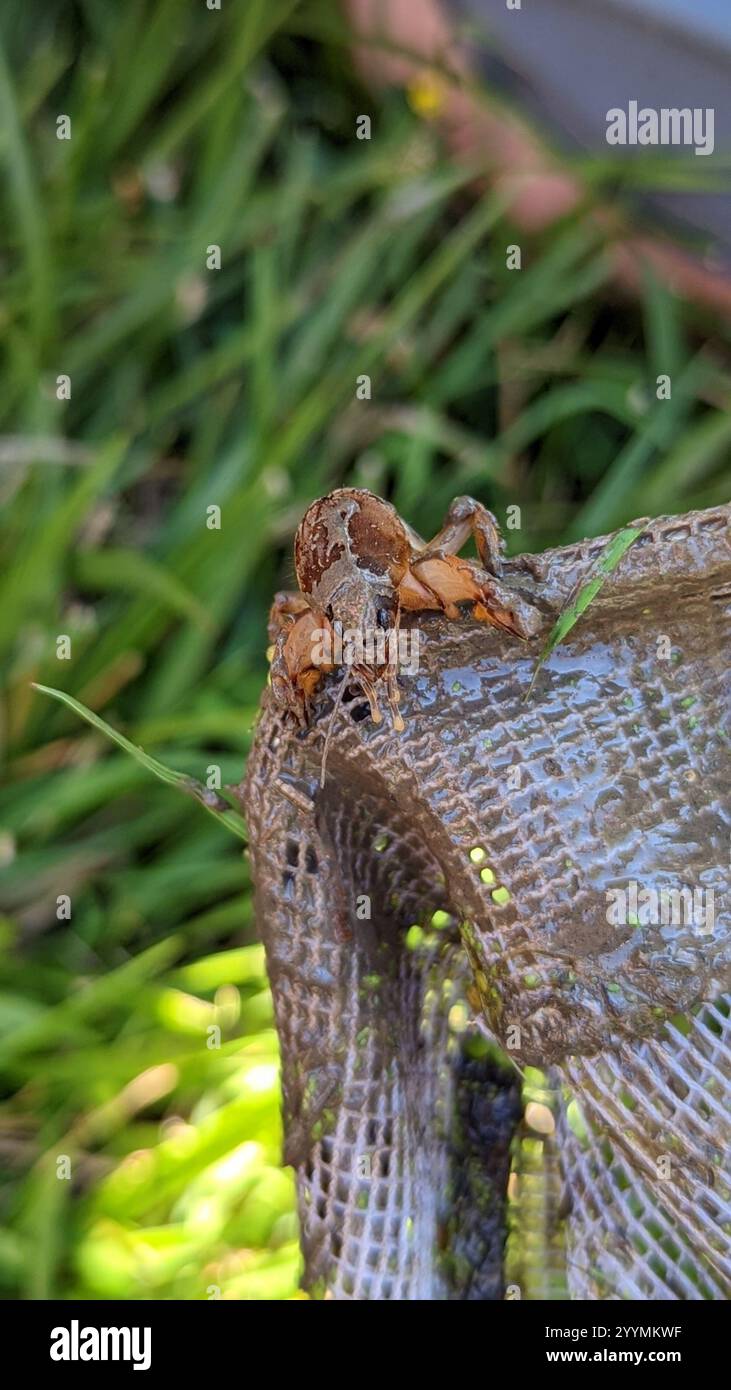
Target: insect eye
383,617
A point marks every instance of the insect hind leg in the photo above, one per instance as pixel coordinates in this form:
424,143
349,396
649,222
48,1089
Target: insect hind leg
466,517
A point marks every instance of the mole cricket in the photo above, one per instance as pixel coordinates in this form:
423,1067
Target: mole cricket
359,566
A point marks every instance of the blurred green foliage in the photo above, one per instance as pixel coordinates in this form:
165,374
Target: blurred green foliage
235,388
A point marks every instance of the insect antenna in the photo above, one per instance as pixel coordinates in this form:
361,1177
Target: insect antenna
331,722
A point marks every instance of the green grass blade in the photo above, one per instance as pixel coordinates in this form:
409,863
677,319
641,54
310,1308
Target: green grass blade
608,562
179,780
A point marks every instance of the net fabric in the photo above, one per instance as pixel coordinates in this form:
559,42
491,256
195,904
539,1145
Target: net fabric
649,1179
400,1129
374,1087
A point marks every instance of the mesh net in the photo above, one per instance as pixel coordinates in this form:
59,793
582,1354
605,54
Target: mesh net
438,939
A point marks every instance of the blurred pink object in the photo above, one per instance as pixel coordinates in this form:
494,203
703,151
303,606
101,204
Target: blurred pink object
537,189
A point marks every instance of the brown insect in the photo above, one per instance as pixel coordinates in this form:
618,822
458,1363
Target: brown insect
359,567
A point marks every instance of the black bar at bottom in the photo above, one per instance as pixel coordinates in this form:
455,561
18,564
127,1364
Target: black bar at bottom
159,1339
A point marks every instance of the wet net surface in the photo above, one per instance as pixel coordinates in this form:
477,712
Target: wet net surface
502,827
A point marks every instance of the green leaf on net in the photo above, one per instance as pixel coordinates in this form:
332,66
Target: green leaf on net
588,591
211,801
